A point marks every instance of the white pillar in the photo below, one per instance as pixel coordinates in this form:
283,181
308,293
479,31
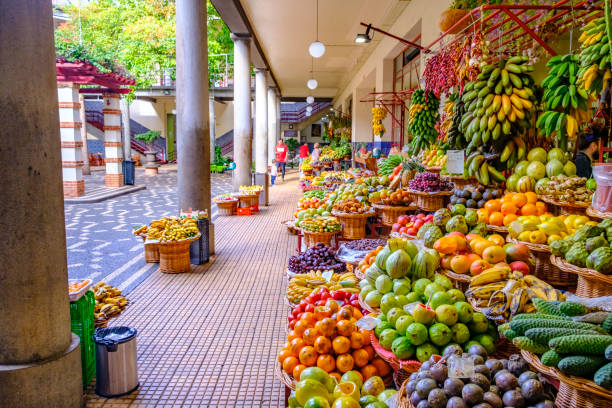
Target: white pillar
271,124
278,117
127,131
71,139
85,148
213,127
242,112
113,150
261,121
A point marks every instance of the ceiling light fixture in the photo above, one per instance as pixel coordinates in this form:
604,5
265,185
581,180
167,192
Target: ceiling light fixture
310,99
317,49
364,38
307,113
312,83
309,109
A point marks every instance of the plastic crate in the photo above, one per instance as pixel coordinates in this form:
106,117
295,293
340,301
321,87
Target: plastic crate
82,324
243,211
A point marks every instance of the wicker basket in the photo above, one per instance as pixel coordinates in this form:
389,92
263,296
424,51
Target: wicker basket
353,225
544,268
248,200
307,172
563,208
174,255
402,368
592,212
365,306
498,229
591,284
574,392
430,201
434,169
460,281
504,349
227,207
460,181
390,213
151,253
311,238
285,378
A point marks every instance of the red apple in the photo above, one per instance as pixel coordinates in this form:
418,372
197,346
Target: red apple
420,216
478,266
403,230
403,219
396,227
418,223
412,231
520,266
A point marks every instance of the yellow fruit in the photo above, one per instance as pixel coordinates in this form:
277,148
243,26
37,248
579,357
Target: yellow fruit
524,236
537,237
553,238
580,221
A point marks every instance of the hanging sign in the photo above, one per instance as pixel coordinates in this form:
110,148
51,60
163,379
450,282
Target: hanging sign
454,161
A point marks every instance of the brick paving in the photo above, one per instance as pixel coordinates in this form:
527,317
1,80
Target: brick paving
209,338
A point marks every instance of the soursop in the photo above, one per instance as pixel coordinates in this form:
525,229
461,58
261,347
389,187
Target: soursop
471,217
600,260
577,254
421,232
457,223
441,217
479,229
559,247
587,231
431,236
595,242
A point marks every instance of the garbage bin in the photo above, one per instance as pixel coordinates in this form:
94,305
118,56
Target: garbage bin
116,367
199,249
129,172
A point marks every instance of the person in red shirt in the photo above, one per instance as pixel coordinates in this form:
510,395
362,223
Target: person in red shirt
281,156
303,155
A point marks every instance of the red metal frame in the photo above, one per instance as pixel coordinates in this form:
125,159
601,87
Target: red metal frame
83,73
390,100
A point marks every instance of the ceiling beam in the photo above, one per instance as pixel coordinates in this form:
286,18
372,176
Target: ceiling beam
303,99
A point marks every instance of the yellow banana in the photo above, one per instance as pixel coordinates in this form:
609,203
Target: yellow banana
495,274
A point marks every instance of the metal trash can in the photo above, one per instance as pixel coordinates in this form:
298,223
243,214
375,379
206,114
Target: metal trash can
116,367
129,172
199,249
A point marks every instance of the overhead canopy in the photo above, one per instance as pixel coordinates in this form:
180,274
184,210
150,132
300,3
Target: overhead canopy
83,73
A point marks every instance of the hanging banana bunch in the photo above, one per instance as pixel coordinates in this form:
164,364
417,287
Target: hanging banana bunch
595,56
423,117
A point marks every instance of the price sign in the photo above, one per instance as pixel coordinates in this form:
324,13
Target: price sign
327,275
367,322
454,161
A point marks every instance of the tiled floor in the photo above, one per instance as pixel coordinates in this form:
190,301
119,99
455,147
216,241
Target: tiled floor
209,338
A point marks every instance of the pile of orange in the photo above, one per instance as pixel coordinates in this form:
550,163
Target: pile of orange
329,339
502,211
307,203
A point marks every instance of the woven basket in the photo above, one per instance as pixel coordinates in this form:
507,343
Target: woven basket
151,253
403,368
390,213
460,281
503,231
353,225
592,212
227,207
565,208
365,306
248,199
460,181
430,201
504,349
285,378
174,256
544,268
434,169
311,238
591,284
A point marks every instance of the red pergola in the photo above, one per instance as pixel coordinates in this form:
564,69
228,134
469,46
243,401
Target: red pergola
83,73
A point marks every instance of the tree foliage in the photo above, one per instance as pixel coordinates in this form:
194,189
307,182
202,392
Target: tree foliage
132,37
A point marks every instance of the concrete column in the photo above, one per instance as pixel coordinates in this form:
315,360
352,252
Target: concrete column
113,146
271,124
213,127
40,360
384,83
127,131
85,149
71,142
193,134
261,121
242,112
278,117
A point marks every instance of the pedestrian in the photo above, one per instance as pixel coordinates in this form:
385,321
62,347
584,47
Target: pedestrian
304,152
273,171
281,156
589,146
316,152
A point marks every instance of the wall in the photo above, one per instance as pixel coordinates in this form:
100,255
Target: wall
224,117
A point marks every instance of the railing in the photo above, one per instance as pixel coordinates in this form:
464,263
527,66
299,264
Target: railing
299,115
221,69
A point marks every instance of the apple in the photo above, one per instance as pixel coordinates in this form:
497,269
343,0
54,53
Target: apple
478,266
520,266
396,227
403,230
403,219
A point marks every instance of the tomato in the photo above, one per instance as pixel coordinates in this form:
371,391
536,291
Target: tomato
418,224
338,295
299,316
420,216
429,217
403,220
403,230
316,297
396,227
309,308
299,308
355,303
290,318
325,296
411,231
321,303
292,323
354,297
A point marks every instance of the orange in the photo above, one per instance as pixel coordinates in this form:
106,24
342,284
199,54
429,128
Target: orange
309,317
322,345
508,208
296,345
345,313
321,312
366,336
381,366
496,218
326,362
368,371
336,375
301,326
494,254
297,370
327,326
293,335
345,328
529,209
310,335
519,200
357,314
289,364
308,356
531,197
333,305
345,363
341,345
507,198
483,215
356,340
508,219
361,357
540,207
370,351
491,206
496,239
284,353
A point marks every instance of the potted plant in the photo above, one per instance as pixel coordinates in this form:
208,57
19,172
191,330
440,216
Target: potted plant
149,137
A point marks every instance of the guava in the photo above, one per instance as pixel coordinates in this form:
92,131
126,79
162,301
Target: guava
420,285
431,289
464,311
440,334
446,314
425,351
536,169
373,298
479,323
537,154
384,284
386,338
388,302
401,286
417,333
395,314
443,281
402,323
440,298
456,295
460,333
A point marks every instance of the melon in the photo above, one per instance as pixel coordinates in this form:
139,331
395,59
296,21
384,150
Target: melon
541,185
558,154
569,169
536,169
521,168
537,154
554,168
525,184
512,182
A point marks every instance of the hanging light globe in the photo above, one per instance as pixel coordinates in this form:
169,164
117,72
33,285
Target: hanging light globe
312,83
309,109
310,99
316,49
307,113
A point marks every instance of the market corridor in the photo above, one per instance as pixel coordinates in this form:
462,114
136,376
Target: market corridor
209,338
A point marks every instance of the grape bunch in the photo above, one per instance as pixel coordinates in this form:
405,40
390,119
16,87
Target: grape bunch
319,257
429,182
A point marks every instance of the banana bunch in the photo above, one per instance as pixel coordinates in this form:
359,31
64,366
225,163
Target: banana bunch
302,285
109,302
567,103
595,60
455,136
448,109
423,117
502,293
172,229
477,166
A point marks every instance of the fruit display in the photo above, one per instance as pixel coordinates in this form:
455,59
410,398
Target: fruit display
589,247
252,189
369,259
574,347
539,167
504,210
322,297
318,389
566,190
224,197
399,197
365,244
379,113
411,224
454,135
320,194
314,258
77,285
387,164
352,206
474,197
303,284
319,223
432,157
109,303
458,220
567,103
498,107
423,117
594,72
488,382
430,183
545,229
169,229
309,202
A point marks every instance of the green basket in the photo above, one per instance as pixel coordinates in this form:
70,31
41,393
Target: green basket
82,324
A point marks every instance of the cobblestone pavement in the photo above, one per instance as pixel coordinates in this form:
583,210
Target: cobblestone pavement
99,238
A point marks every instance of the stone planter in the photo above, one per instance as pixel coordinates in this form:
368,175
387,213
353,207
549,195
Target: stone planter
149,163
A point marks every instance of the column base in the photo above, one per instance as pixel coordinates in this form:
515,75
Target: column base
151,171
113,180
74,188
50,383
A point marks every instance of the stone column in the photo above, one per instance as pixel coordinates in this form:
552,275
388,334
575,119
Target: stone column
127,131
271,124
278,117
242,112
193,135
40,360
213,127
85,149
261,121
70,135
113,150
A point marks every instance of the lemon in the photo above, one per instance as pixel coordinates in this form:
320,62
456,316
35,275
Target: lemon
553,238
537,237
